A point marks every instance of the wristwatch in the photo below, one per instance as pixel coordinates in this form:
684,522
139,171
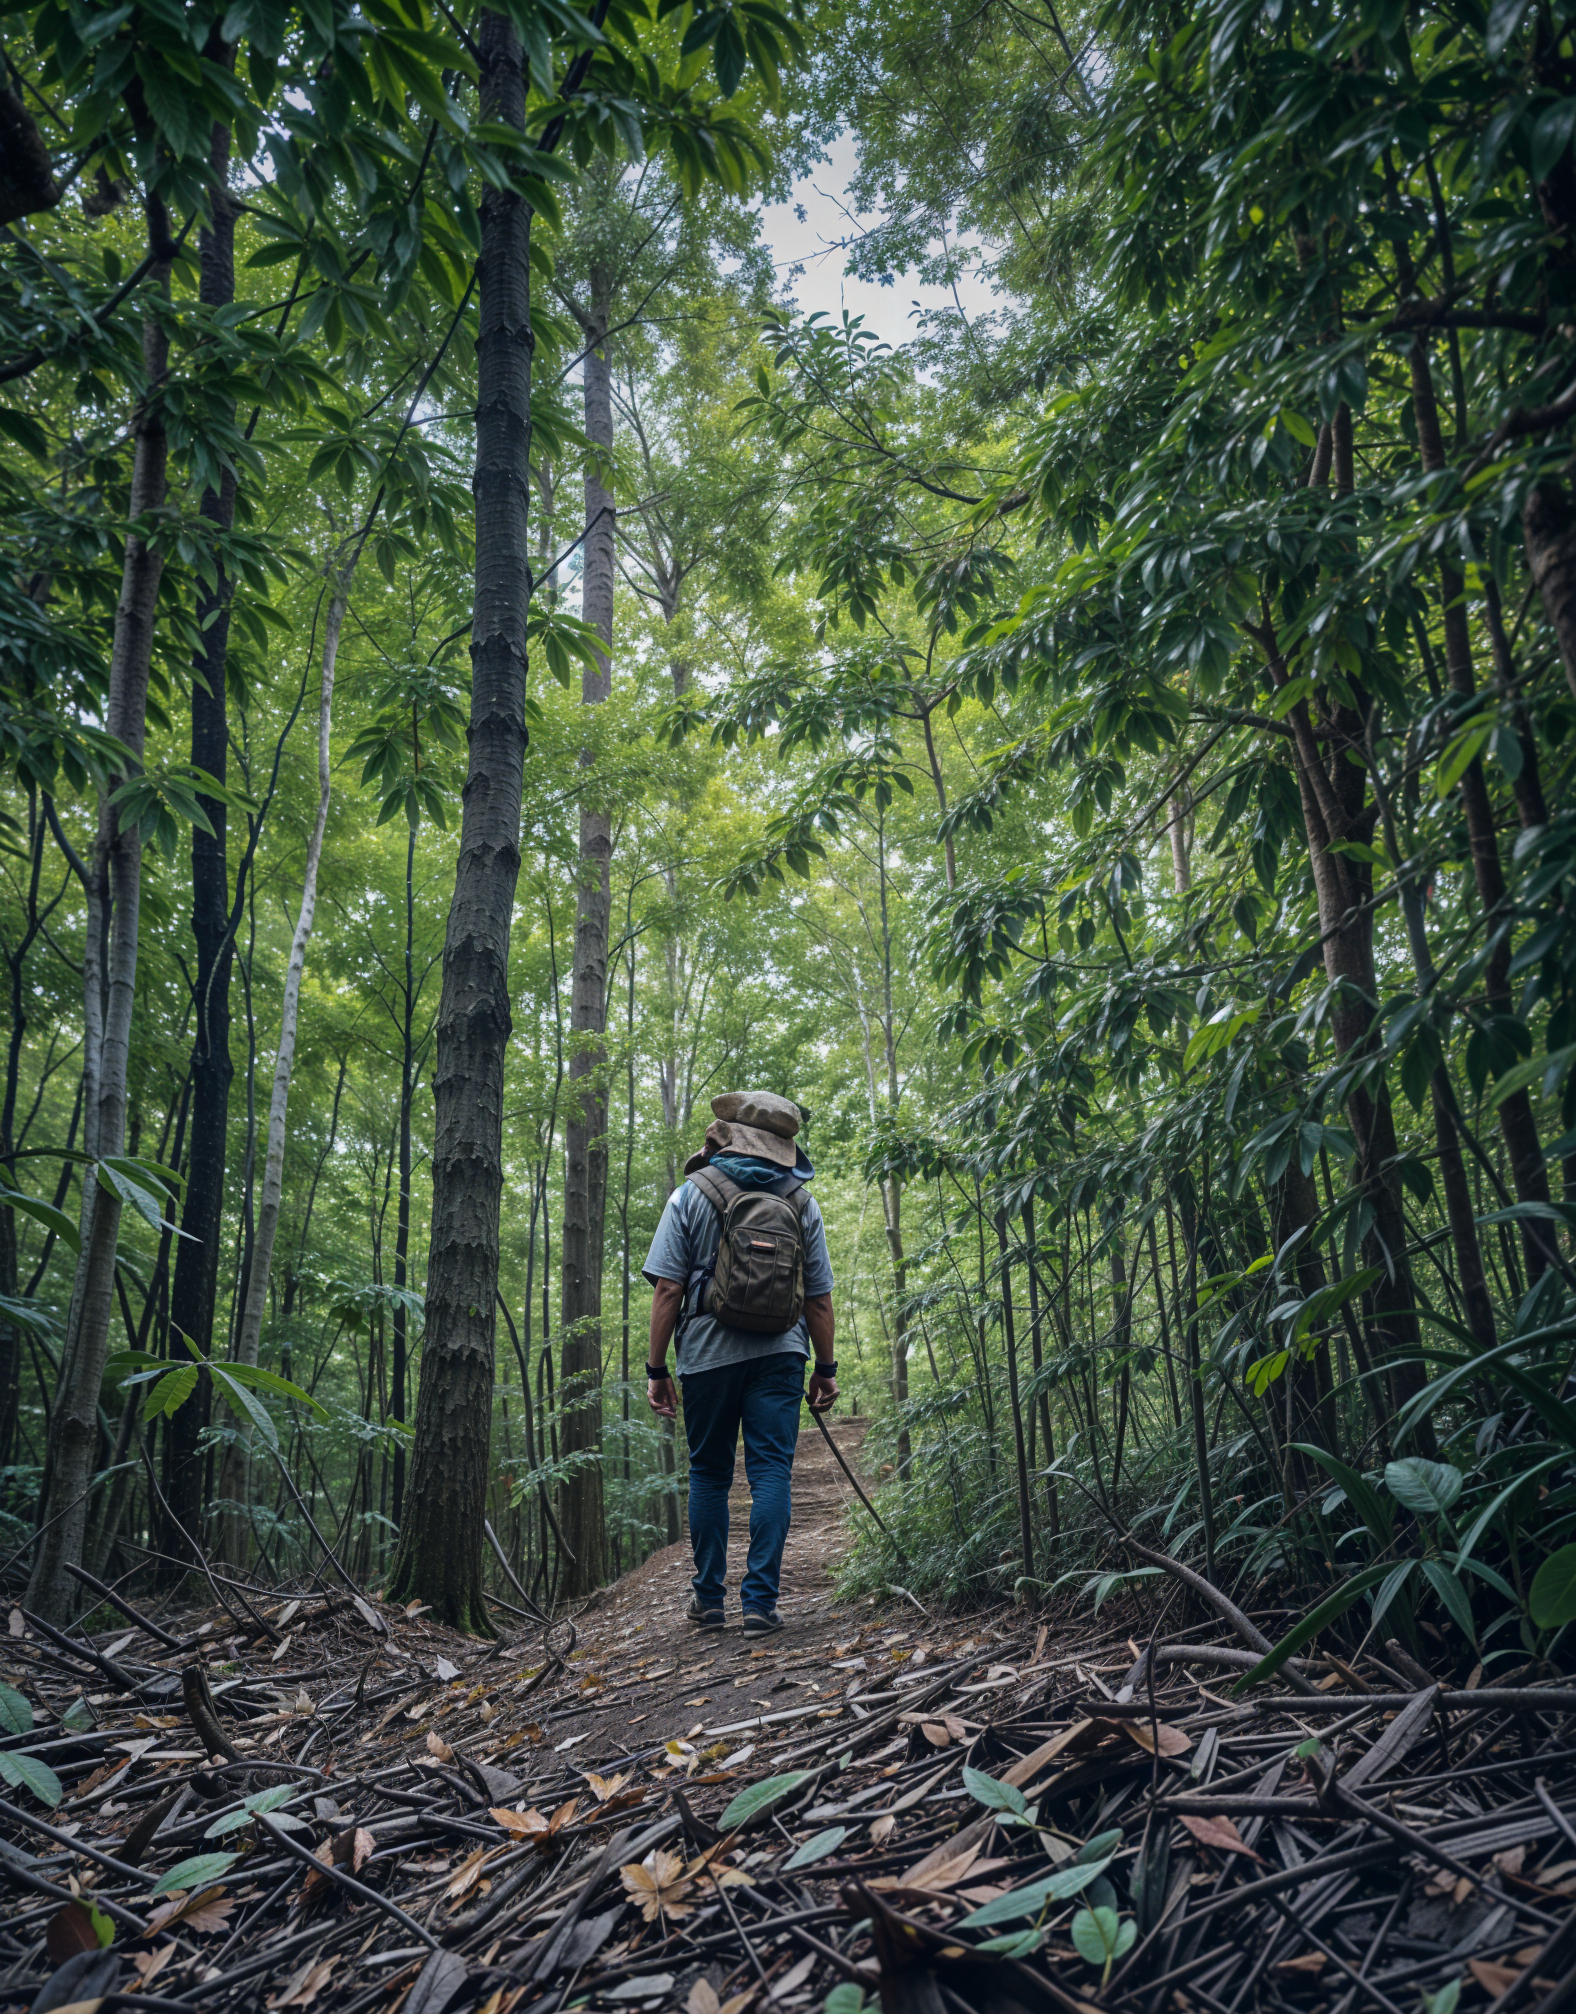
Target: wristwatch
658,1373
825,1370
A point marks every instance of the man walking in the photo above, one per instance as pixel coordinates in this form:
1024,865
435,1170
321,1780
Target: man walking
740,1271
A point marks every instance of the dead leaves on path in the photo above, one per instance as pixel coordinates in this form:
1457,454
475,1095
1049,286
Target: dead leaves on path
662,1884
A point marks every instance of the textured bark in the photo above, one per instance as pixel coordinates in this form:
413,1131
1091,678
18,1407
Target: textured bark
236,1487
585,1131
27,182
193,1293
439,1556
400,1360
1549,525
74,1425
16,962
1517,1123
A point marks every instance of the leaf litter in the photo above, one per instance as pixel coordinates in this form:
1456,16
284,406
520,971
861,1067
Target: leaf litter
1018,1814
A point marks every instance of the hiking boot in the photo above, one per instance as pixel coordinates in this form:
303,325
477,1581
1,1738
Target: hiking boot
762,1622
707,1618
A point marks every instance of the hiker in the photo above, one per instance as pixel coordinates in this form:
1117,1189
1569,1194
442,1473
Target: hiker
740,1275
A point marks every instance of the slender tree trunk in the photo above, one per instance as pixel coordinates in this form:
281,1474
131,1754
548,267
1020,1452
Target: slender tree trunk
1549,524
585,1133
74,1421
1517,1124
1188,1315
1010,1334
1052,1500
193,1294
439,1556
402,1232
237,1486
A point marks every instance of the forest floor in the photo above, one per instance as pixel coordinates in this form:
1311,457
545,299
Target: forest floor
288,1801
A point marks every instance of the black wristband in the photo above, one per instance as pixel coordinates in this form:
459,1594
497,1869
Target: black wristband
825,1370
659,1374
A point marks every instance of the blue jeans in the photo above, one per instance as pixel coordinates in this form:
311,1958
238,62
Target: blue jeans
763,1396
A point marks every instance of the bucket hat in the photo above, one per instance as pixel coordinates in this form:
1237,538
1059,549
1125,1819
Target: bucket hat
754,1122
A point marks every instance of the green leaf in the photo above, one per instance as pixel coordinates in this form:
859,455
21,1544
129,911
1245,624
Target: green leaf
196,1872
817,1848
78,1716
1100,1936
759,1798
244,1403
845,1999
993,1794
1454,1597
45,1214
1553,1599
16,1711
28,1772
260,1800
1030,1900
1306,1630
1361,1494
1013,1943
1430,1488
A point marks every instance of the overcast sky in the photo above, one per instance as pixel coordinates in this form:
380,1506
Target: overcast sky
818,243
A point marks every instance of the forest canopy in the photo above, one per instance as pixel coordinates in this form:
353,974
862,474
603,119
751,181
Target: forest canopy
484,668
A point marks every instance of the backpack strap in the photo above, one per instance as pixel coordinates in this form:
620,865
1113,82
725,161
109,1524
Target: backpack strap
718,1188
798,1200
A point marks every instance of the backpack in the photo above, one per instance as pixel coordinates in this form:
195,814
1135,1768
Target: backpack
757,1277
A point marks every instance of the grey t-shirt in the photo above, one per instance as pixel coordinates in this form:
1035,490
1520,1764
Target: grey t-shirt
687,1239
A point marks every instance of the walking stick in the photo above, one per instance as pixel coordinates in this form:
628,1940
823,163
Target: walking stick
847,1471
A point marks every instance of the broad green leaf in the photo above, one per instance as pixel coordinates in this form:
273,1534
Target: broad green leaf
243,1402
1031,1899
45,1214
758,1798
1013,1943
196,1872
846,1998
16,1711
1430,1488
818,1848
1553,1597
1454,1597
1101,1936
17,1767
992,1793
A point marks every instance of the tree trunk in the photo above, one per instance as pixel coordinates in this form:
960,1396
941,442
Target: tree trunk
1010,1334
585,1133
439,1556
1517,1124
74,1422
237,1485
402,1232
195,1287
1549,524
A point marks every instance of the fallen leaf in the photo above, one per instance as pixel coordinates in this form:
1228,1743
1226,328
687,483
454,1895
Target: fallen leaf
1305,1961
469,1872
16,1623
1512,1860
150,1964
935,1733
445,1670
353,1848
881,1828
1219,1833
307,1984
438,1748
702,1999
604,1787
1494,1979
205,1909
1172,1740
658,1885
72,1929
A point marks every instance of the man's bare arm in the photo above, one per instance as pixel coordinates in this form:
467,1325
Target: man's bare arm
667,1299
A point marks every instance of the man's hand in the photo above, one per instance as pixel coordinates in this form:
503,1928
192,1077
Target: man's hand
661,1397
822,1395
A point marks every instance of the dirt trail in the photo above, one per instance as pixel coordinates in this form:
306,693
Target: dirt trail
663,1676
